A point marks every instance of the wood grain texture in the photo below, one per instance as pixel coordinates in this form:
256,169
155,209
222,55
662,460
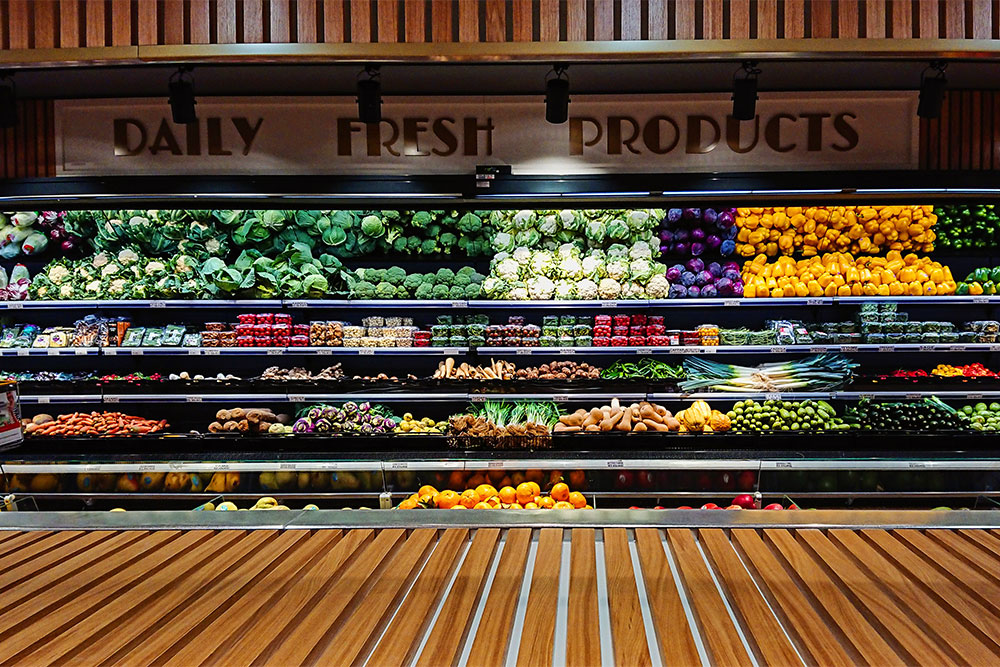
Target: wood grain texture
848,19
306,24
970,552
657,12
333,21
468,20
69,24
414,18
631,23
523,28
18,36
225,21
489,647
441,21
814,634
902,19
673,633
739,19
280,21
756,616
173,24
928,25
628,632
445,640
536,649
684,19
795,19
361,21
583,637
875,19
713,26
397,645
44,31
576,20
716,627
821,23
548,21
496,21
388,20
604,20
48,554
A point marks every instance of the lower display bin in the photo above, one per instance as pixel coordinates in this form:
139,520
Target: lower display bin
535,588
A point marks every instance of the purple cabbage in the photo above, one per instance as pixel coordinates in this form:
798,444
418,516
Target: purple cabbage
695,265
738,289
715,269
713,242
703,278
697,248
731,274
687,279
708,291
694,292
677,292
682,235
674,215
681,248
725,286
727,248
666,235
674,272
697,234
726,266
726,220
692,214
710,215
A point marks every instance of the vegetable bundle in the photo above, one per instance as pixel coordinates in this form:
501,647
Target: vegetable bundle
500,418
691,232
621,272
587,228
646,368
361,418
822,372
396,283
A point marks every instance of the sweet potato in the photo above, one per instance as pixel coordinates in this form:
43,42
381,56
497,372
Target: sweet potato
655,425
625,423
610,422
640,427
648,412
564,428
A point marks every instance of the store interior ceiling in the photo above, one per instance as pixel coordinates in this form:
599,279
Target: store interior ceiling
425,79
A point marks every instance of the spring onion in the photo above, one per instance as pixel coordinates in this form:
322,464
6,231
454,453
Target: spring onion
822,372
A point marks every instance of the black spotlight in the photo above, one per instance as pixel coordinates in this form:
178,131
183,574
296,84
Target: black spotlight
745,91
557,96
932,90
182,96
8,102
370,96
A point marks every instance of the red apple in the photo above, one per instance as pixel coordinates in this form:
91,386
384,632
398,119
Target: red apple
645,479
745,501
746,480
793,506
659,507
685,507
774,506
624,480
734,507
710,506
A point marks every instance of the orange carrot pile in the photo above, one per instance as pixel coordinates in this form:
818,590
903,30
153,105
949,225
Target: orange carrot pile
99,424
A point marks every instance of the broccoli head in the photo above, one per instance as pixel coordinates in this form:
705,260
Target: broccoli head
428,247
424,291
421,219
363,290
472,291
430,278
412,282
374,276
385,290
470,222
461,279
395,275
412,243
444,276
399,244
442,292
448,241
457,292
476,278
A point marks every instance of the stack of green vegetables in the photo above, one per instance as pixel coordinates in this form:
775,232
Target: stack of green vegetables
395,283
587,228
752,417
646,368
822,372
967,227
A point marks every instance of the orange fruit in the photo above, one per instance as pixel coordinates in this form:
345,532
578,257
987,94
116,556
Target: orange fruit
576,499
482,506
408,504
415,497
496,474
530,506
447,499
534,487
494,502
485,491
459,506
468,499
456,479
587,507
426,490
507,494
515,506
578,479
534,475
546,503
560,492
563,505
475,481
524,492
427,500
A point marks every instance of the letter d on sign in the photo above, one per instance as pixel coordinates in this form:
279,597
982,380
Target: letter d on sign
121,136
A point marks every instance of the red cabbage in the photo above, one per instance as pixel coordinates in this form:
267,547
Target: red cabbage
697,248
666,235
677,292
695,265
731,265
709,215
715,269
725,220
697,234
708,291
713,242
694,292
692,213
674,215
681,248
674,272
725,286
703,278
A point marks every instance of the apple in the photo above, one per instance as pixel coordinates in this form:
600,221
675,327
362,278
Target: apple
774,506
746,480
685,507
745,501
710,506
727,481
634,507
659,507
734,507
624,480
645,479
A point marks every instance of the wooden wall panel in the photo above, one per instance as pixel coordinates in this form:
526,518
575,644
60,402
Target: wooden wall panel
26,24
967,134
28,150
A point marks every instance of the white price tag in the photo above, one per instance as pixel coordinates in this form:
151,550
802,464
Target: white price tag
772,396
211,352
782,464
109,351
326,352
137,351
459,304
916,464
495,465
92,468
366,351
194,352
616,463
926,348
567,350
644,350
609,304
730,302
296,398
450,351
866,395
913,396
15,305
818,348
560,398
848,348
886,348
23,351
157,304
523,351
193,399
681,349
80,351
221,466
477,398
298,304
980,299
958,348
974,397
710,349
399,465
44,399
112,399
778,349
995,347
287,466
145,467
52,352
275,353
814,301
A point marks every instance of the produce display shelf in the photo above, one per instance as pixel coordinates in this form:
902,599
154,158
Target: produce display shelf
272,351
381,586
742,349
625,304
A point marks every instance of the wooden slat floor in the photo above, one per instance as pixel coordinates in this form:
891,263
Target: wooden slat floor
492,597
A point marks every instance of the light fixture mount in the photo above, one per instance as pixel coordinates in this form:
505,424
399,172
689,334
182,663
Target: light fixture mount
370,94
745,91
182,100
932,88
557,95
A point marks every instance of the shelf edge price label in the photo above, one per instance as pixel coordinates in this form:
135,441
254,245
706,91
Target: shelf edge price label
926,348
15,305
782,464
137,351
616,463
818,348
772,396
23,351
157,304
495,465
450,351
44,399
325,352
778,349
995,347
522,351
275,353
298,304
477,398
52,351
287,466
399,465
814,302
221,466
567,350
860,396
974,397
145,467
112,399
644,350
193,399
913,396
459,304
560,398
80,351
916,464
296,398
729,303
609,304
886,348
211,353
366,351
848,348
194,352
980,299
957,348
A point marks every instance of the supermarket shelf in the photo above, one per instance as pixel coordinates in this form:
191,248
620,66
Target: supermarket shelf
49,351
744,349
625,304
279,351
61,398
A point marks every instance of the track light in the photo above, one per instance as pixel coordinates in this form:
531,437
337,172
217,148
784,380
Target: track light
182,96
932,90
370,96
745,91
557,96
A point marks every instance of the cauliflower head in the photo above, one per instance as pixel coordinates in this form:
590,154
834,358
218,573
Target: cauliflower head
609,288
565,290
618,269
508,269
58,274
587,289
541,288
658,287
